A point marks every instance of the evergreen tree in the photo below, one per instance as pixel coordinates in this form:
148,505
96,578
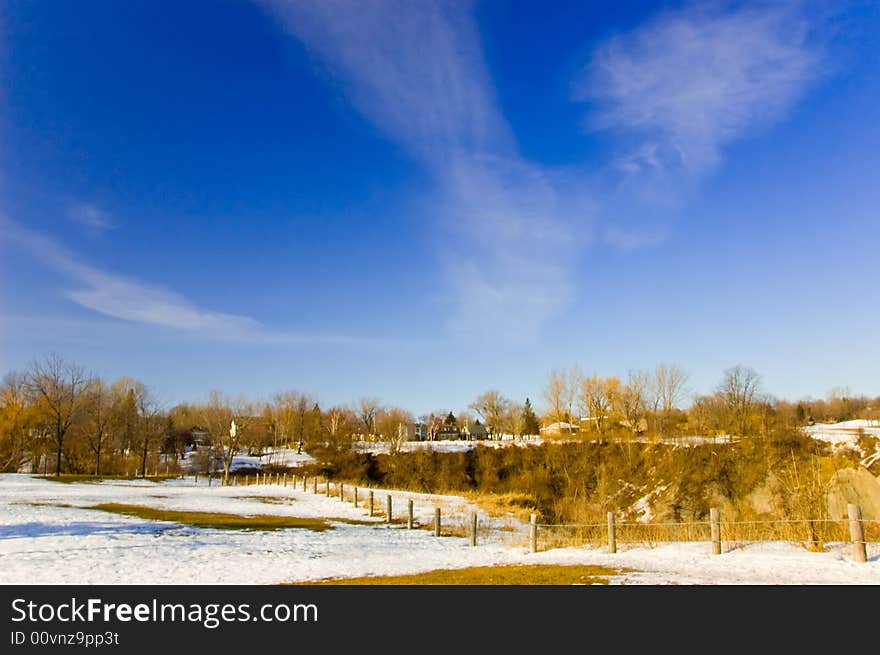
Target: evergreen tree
530,420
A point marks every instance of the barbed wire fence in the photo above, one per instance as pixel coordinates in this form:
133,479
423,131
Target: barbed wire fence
724,535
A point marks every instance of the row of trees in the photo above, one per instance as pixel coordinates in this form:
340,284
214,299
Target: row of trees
59,418
55,417
645,399
55,411
655,402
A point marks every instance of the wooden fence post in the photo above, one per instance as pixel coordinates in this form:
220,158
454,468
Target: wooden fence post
371,502
196,481
355,496
327,482
473,529
436,521
612,534
388,510
305,482
533,533
341,492
409,514
715,529
857,533
315,485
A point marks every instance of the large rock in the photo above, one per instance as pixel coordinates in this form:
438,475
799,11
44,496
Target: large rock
857,486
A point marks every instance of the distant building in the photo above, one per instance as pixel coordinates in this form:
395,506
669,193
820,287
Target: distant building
558,428
420,431
449,430
475,431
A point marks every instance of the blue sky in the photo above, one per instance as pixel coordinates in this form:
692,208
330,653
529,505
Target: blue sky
422,201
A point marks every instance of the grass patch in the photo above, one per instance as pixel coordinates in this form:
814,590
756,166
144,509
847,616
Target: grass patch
216,519
224,521
68,478
519,505
526,574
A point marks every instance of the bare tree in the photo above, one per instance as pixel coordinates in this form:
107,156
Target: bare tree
670,380
573,380
57,387
597,399
216,415
16,420
739,388
339,424
492,407
666,390
367,409
433,422
148,409
99,418
555,395
514,419
632,399
285,414
136,410
392,425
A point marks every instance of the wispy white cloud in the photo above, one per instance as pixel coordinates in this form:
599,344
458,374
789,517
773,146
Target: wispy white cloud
90,216
142,303
692,81
676,89
416,70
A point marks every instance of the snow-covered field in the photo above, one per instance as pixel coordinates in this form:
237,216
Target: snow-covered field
846,435
242,462
41,542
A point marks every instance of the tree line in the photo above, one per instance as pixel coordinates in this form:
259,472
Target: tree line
55,417
658,402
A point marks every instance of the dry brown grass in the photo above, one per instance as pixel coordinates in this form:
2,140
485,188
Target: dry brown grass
223,521
519,505
526,574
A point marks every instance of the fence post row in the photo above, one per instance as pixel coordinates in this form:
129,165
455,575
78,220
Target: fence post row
857,533
533,533
612,534
715,529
